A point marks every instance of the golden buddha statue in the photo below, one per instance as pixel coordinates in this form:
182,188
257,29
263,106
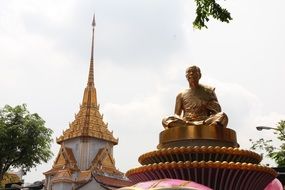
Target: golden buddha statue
197,105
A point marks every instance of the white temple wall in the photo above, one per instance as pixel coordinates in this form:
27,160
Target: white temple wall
48,183
85,150
62,186
92,185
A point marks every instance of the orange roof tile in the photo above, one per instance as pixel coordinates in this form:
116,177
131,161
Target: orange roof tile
112,182
84,176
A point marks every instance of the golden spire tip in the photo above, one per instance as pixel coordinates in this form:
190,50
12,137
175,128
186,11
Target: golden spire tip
93,21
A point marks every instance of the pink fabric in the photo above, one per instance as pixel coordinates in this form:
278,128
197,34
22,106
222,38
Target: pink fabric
169,183
274,185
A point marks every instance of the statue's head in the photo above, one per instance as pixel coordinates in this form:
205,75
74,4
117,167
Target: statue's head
193,75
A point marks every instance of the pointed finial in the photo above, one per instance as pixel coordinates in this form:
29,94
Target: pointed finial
93,22
91,68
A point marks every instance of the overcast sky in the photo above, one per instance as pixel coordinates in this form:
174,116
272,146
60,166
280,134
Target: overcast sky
142,50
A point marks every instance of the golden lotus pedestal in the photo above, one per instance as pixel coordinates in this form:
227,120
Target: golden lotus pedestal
197,136
206,155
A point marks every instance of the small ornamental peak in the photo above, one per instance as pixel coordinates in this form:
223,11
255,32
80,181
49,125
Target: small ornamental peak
93,22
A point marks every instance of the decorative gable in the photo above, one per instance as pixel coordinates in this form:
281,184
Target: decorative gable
65,159
104,162
60,161
62,176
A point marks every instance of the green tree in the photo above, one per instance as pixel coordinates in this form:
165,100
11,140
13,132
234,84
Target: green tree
269,150
207,8
24,139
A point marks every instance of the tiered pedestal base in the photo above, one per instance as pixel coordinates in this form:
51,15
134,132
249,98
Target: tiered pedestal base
199,159
217,175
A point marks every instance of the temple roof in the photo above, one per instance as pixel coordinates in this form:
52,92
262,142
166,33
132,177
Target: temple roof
10,178
104,163
64,161
111,182
89,121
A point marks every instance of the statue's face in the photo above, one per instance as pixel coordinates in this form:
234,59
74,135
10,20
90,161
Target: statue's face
193,77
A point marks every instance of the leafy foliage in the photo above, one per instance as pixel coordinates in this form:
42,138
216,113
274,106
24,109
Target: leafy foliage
207,8
275,153
25,141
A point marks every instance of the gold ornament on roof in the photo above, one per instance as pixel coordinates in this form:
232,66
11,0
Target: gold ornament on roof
89,121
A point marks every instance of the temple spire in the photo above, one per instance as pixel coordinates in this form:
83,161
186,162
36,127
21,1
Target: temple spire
88,121
90,97
91,68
